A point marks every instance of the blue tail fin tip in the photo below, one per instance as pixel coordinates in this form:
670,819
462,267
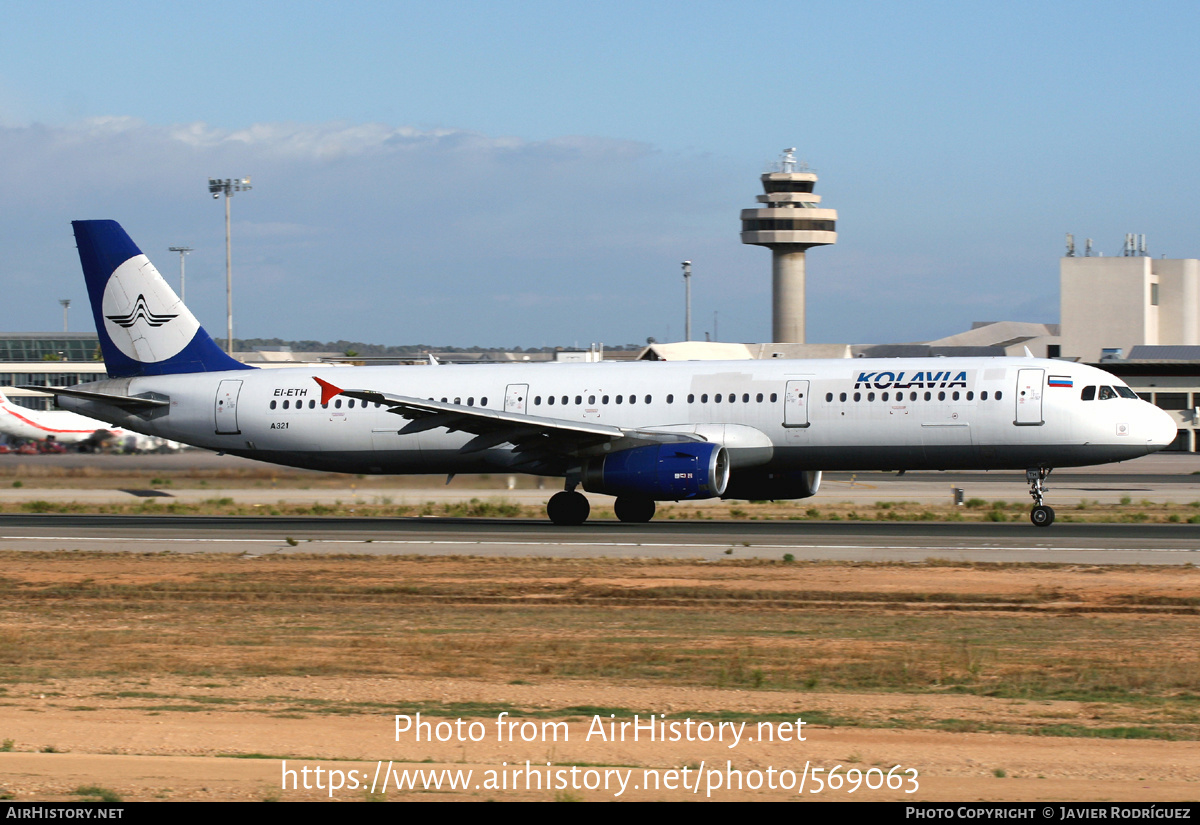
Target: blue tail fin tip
144,328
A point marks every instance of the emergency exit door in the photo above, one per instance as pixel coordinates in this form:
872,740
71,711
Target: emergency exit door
225,407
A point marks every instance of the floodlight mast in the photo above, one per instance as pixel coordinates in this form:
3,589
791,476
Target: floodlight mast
687,301
182,250
217,187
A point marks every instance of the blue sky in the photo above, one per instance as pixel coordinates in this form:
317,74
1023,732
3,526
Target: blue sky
524,174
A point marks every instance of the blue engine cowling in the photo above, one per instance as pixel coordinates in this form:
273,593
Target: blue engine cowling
772,486
663,472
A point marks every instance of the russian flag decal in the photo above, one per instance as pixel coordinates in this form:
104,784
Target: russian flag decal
1061,381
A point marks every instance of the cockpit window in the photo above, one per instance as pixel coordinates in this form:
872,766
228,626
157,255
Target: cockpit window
1125,392
1089,394
1107,393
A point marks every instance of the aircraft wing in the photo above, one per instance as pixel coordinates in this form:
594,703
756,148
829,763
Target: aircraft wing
536,439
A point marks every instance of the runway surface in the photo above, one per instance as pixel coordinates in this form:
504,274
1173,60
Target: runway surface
1062,543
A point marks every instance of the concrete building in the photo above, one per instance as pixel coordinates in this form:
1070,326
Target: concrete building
788,223
1111,305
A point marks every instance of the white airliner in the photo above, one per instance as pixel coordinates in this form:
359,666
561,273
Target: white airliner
643,432
55,425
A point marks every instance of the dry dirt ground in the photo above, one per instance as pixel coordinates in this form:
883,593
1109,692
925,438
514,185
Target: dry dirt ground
172,677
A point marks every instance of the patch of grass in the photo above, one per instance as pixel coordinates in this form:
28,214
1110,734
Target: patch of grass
96,793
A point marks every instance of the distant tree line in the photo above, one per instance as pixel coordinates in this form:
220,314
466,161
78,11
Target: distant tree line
384,351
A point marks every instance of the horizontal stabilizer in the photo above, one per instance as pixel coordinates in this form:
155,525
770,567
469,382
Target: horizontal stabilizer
127,402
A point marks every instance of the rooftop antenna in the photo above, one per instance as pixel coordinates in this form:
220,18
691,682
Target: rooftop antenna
66,304
1087,249
1070,245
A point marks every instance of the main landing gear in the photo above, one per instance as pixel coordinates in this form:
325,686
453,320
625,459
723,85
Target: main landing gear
1041,515
570,508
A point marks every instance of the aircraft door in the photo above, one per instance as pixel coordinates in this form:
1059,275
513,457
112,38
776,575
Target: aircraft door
1029,397
515,398
795,404
225,407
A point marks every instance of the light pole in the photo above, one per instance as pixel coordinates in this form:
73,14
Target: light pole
216,188
182,250
687,289
66,304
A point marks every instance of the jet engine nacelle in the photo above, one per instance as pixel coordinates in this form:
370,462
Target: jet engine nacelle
662,472
767,486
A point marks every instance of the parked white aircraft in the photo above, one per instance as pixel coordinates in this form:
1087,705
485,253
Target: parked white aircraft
55,425
68,427
643,432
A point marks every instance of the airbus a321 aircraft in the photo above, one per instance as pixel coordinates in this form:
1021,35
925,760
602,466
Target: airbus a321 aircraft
643,432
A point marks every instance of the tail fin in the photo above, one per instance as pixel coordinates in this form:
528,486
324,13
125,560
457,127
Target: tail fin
144,328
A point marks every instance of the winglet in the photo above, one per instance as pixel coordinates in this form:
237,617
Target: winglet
1028,354
328,390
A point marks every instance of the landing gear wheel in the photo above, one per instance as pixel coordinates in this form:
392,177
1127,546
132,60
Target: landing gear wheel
1042,516
636,510
568,508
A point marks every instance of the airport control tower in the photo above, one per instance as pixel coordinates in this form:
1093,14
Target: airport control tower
789,221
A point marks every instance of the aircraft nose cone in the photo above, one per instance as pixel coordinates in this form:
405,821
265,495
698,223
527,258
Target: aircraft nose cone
1162,428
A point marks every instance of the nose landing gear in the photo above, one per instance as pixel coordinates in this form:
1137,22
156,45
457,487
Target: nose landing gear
1041,515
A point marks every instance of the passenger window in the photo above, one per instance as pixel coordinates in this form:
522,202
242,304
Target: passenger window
312,405
604,400
578,400
841,397
670,399
550,400
337,405
885,396
272,405
704,398
620,398
717,398
483,401
928,396
758,398
565,400
954,396
999,395
941,396
471,401
648,399
691,398
537,401
858,396
633,399
912,396
828,396
970,396
983,396
870,396
746,397
591,399
1088,394
774,397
